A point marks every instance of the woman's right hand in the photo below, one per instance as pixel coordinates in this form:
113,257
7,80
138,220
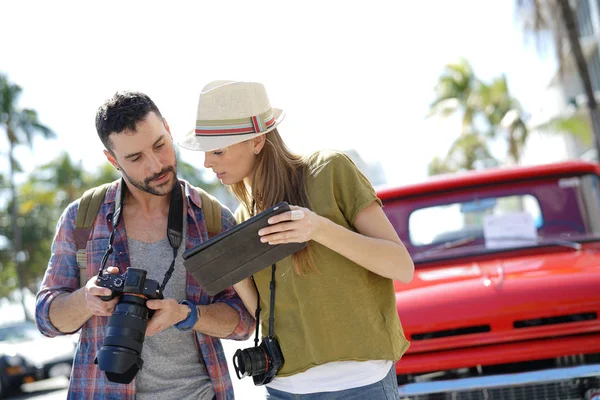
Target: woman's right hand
93,292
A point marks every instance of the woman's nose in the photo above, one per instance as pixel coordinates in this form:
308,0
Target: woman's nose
208,162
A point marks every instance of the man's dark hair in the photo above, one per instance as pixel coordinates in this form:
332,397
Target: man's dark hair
122,112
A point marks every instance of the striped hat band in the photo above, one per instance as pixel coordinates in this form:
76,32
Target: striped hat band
240,126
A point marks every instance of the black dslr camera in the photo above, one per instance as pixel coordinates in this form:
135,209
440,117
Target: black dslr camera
261,362
119,356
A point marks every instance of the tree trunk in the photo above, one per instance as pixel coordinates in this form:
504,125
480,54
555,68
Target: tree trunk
584,75
16,240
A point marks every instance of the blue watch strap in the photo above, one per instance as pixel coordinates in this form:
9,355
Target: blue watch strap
188,323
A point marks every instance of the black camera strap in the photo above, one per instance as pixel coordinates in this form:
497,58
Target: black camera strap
174,227
272,306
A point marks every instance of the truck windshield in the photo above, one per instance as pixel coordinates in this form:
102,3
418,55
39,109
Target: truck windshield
498,217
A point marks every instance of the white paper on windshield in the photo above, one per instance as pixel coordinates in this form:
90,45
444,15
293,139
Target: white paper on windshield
509,230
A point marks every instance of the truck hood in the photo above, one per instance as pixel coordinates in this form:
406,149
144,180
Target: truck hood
528,295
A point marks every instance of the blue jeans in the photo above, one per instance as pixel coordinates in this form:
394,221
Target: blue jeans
385,389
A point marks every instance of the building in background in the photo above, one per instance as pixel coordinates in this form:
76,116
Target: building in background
373,170
565,97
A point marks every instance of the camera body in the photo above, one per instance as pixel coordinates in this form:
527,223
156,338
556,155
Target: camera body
133,281
262,362
120,354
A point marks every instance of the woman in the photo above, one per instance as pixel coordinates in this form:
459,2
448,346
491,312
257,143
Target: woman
335,312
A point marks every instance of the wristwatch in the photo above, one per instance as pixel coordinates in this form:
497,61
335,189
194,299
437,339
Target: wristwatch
188,323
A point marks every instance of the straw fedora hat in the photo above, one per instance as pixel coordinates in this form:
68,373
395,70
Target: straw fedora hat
231,112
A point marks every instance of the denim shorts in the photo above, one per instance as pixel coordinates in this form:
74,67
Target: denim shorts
385,389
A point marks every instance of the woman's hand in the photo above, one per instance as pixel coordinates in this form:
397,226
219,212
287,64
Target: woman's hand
295,226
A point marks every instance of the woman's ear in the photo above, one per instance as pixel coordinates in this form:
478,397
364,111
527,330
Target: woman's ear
258,143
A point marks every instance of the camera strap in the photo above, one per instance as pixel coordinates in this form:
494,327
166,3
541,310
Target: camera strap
271,306
174,227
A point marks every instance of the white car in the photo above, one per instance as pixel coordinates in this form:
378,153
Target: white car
51,357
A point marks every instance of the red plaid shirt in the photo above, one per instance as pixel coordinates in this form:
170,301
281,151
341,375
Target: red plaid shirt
62,276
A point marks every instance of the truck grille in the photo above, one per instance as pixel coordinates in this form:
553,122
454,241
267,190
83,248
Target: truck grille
566,390
563,319
468,330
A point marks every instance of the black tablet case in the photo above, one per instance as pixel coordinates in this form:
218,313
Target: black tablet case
237,253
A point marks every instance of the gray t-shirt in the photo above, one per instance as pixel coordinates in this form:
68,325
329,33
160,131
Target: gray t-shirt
172,366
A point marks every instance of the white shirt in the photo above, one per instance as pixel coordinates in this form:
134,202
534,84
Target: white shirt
333,376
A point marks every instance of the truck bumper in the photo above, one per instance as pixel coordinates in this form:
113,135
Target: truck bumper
504,381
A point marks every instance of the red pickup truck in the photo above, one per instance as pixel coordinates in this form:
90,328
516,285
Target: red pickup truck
505,299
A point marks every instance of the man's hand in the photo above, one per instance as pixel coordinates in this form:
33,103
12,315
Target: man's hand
93,292
167,312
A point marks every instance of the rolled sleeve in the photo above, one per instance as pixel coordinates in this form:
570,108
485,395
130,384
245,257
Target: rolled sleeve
61,276
247,324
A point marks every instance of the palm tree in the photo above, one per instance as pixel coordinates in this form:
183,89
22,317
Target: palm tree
439,166
557,18
457,92
20,126
61,176
105,173
504,113
468,152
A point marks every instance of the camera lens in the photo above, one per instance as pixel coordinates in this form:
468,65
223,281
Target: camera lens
250,362
119,356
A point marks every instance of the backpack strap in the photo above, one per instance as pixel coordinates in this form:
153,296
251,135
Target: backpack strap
87,212
211,207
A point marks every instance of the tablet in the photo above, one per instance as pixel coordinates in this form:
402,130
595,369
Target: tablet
236,254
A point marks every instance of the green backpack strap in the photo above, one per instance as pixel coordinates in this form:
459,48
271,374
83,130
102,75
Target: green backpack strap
211,207
87,212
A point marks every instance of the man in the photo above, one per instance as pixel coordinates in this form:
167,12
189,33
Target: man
182,355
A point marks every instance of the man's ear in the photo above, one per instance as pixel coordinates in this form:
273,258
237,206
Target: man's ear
111,159
167,127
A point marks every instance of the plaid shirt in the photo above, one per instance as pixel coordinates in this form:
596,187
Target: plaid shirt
62,276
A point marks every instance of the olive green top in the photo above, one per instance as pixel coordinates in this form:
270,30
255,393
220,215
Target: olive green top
342,312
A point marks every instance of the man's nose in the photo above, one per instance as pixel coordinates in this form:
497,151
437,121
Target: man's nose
155,164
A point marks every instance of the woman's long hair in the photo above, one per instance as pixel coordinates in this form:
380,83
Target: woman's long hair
279,175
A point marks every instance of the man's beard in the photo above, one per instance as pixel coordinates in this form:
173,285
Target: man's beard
144,186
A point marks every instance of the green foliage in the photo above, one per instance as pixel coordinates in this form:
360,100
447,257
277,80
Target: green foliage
468,152
486,109
105,173
439,166
20,125
456,92
576,125
8,281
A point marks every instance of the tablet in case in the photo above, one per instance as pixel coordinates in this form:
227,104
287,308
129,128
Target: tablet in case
236,254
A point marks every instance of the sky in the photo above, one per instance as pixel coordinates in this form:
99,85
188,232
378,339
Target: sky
349,74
